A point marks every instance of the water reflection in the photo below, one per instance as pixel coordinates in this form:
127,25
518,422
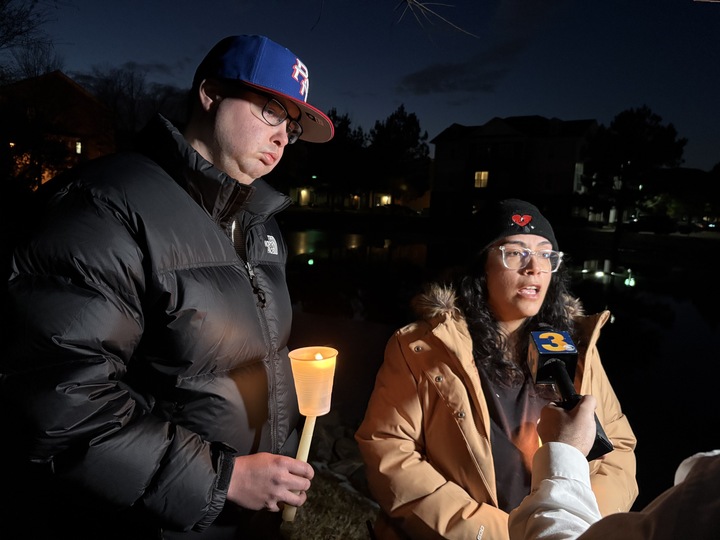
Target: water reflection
322,245
312,247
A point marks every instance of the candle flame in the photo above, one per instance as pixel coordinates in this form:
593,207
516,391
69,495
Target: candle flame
318,356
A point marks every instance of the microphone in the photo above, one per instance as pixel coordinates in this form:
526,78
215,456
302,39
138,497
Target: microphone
552,358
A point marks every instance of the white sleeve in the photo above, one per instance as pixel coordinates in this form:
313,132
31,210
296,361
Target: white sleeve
561,504
687,464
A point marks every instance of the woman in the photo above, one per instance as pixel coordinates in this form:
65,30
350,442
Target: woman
450,429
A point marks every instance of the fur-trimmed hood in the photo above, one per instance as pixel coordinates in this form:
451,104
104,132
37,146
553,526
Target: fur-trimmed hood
441,300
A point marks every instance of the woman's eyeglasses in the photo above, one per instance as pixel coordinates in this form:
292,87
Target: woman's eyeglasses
517,258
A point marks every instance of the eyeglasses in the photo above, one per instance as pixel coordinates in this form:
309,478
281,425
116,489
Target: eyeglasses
517,258
275,114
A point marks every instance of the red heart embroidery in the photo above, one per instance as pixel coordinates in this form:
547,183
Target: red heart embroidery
521,220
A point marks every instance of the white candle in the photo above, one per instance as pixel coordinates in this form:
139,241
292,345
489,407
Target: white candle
313,370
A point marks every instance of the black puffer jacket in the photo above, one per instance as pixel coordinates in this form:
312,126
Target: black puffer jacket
146,350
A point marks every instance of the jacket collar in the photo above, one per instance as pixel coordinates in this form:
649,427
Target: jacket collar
220,195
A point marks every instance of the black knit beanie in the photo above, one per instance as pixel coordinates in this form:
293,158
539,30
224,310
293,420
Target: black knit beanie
509,217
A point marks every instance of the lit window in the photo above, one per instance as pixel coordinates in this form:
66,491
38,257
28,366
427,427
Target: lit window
577,178
481,179
78,147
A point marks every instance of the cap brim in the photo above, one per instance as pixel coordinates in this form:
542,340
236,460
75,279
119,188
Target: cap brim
317,126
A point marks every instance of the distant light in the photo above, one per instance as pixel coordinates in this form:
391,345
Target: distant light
599,273
311,262
630,280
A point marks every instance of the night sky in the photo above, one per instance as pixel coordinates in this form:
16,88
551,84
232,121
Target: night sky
570,59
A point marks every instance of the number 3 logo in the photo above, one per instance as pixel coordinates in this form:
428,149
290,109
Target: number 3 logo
555,342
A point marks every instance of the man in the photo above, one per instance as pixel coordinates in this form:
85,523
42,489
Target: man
146,388
562,506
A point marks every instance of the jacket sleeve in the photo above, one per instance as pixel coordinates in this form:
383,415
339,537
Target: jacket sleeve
412,492
561,504
76,298
561,507
612,476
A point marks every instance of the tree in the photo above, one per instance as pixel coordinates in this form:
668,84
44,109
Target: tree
170,101
124,92
336,169
36,59
21,23
132,100
682,194
341,161
400,156
623,157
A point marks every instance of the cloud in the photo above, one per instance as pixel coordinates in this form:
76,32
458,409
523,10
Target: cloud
480,73
512,27
178,73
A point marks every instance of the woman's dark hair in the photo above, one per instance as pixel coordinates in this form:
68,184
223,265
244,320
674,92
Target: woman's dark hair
489,343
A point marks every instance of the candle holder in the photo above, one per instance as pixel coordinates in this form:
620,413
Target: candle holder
313,370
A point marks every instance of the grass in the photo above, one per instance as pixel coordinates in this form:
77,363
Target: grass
338,506
334,511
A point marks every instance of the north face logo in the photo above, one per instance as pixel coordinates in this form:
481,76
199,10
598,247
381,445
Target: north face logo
271,245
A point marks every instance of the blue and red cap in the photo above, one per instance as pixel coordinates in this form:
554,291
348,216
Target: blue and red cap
261,63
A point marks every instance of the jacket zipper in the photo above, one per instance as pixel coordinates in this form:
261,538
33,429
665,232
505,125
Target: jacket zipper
240,249
272,354
255,285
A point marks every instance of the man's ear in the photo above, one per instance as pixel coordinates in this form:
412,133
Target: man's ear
209,94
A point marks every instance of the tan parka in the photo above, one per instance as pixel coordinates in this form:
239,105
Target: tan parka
425,436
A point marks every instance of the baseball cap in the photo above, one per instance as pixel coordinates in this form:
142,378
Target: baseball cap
261,63
509,217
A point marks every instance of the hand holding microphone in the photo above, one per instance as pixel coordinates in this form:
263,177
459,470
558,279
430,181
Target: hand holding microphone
552,357
575,427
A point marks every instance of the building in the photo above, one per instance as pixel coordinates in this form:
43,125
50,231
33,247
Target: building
529,157
50,123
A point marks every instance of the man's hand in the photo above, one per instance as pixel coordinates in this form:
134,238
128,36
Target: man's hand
575,427
267,480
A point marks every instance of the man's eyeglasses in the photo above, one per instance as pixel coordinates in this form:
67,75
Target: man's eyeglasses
275,114
517,258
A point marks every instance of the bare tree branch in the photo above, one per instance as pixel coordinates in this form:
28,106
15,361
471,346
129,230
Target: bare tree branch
21,22
36,59
423,12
